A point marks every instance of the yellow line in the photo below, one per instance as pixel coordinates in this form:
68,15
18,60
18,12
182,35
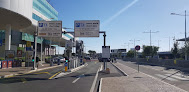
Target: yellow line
23,80
55,75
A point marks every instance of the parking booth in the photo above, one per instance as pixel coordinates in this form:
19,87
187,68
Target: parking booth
4,64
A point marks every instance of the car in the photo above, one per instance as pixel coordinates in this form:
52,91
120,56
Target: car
87,58
62,59
101,59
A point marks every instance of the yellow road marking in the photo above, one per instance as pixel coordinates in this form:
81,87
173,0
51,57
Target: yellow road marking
23,80
55,75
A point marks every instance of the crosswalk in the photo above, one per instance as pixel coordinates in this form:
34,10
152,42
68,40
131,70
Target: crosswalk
170,77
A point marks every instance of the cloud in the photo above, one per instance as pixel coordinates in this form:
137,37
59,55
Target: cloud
119,12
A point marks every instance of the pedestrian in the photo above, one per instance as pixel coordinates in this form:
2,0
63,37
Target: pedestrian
37,61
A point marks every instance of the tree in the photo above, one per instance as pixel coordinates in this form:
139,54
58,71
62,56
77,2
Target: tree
175,50
149,50
130,53
91,52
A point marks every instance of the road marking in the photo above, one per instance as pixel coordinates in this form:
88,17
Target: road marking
177,77
23,80
42,73
76,80
94,82
55,75
76,69
165,77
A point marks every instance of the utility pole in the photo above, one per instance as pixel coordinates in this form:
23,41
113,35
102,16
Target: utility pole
151,36
185,32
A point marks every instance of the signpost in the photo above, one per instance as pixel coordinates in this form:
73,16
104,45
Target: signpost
86,28
19,53
28,46
9,54
105,55
137,48
50,28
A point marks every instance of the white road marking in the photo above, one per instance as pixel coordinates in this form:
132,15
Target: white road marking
177,77
94,82
167,78
76,80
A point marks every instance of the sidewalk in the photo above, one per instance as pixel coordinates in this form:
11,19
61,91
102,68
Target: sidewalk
4,73
135,82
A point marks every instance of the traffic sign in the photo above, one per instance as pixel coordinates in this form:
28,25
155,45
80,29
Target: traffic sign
86,28
50,28
9,54
19,53
105,51
137,47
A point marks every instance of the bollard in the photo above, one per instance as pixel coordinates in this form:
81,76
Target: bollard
58,62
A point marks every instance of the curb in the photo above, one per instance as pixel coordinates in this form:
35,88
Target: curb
71,71
12,75
100,86
75,69
125,74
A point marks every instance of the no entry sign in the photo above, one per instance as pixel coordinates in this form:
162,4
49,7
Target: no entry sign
137,47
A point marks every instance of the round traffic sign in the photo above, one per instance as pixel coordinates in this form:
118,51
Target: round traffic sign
137,47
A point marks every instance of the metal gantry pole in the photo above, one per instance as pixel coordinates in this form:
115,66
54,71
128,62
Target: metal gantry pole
185,39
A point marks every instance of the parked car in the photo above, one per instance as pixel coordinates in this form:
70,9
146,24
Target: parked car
62,59
101,59
87,58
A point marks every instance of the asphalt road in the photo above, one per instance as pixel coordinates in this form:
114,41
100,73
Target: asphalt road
171,76
79,81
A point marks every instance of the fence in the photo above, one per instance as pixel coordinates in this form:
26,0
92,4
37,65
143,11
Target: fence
161,62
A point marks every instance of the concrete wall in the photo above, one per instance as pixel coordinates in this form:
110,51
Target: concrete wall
161,62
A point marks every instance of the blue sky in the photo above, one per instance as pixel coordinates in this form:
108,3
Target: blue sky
125,20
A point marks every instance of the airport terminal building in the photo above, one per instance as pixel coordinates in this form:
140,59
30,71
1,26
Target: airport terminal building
19,19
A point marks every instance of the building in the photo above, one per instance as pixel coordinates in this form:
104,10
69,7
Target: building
119,53
18,24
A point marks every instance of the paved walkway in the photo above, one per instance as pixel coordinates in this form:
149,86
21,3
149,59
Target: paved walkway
135,82
22,70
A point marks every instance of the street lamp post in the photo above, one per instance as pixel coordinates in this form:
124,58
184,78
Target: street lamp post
185,32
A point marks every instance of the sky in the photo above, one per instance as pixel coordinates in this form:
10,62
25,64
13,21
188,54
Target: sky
125,20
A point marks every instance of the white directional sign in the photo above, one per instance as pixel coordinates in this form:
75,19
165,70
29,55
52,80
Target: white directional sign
105,51
87,28
50,28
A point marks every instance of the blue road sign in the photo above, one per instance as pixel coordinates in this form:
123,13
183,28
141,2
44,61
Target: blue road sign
1,42
65,64
28,49
40,24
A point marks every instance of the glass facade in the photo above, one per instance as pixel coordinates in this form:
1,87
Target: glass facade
45,8
36,17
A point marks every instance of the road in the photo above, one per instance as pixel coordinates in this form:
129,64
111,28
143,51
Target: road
82,80
171,76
